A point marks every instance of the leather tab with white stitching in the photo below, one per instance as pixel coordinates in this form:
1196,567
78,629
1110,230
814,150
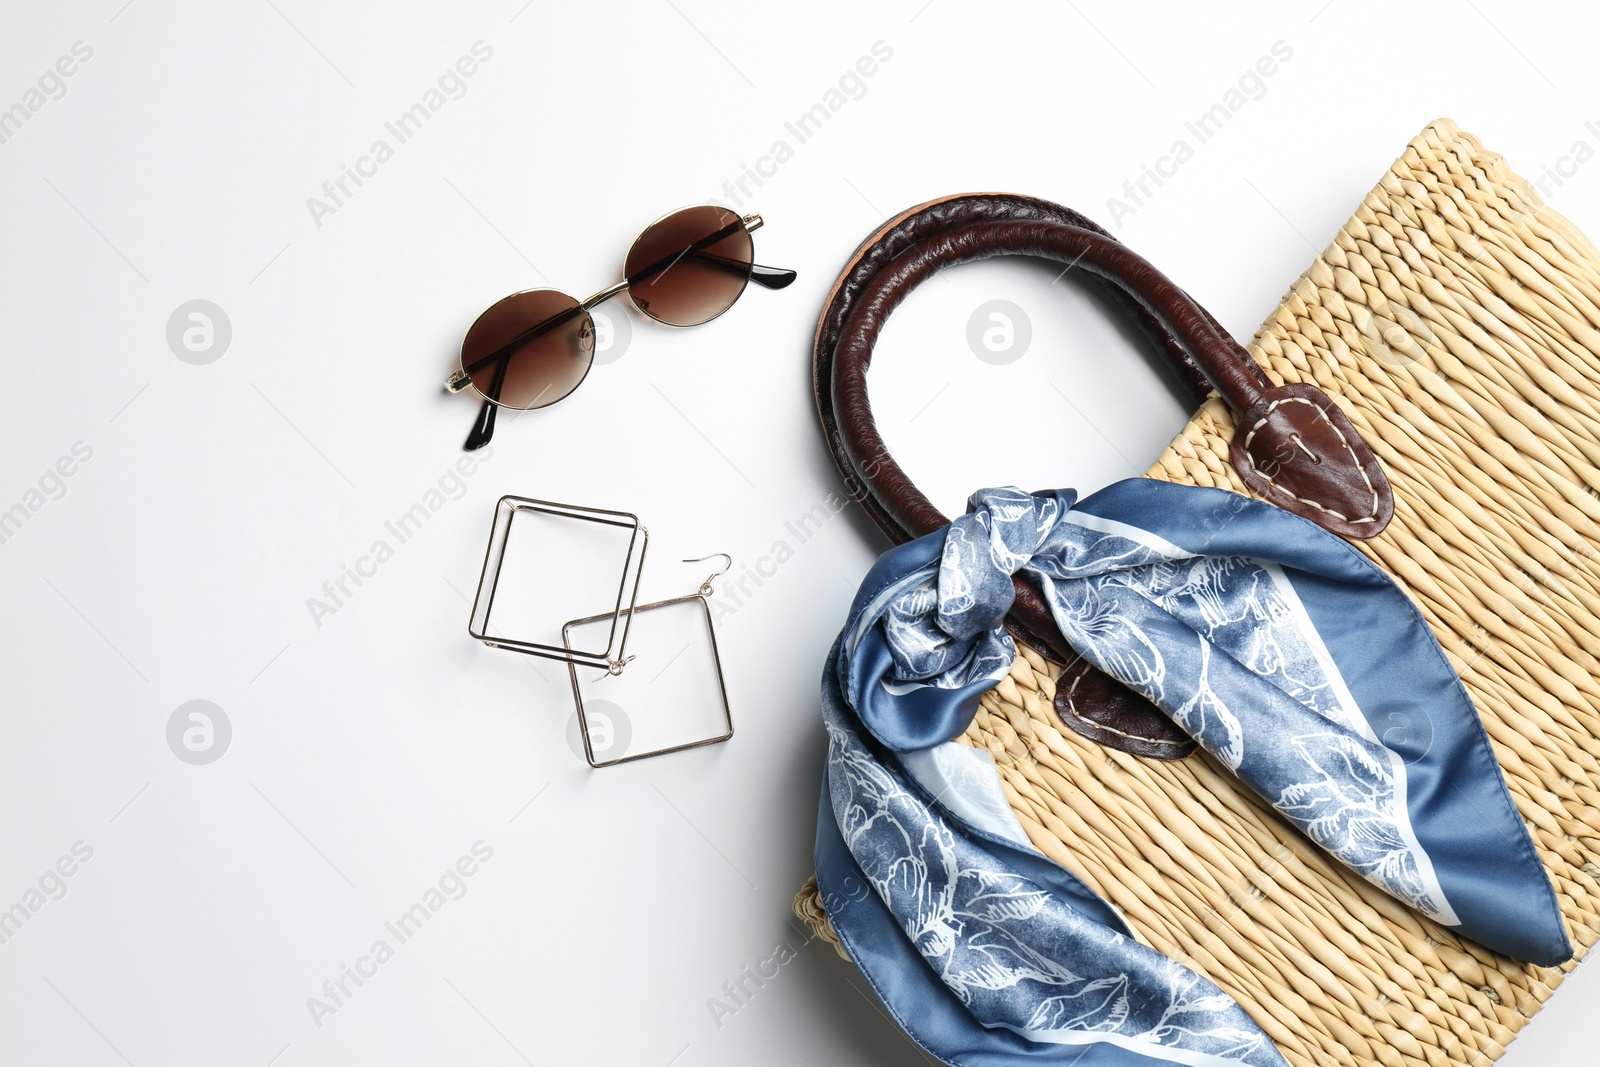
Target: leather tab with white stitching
1296,449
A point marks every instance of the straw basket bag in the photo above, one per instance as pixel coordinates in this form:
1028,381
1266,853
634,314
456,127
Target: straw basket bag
1456,321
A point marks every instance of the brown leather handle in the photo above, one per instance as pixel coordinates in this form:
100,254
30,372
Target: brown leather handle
1222,362
1294,447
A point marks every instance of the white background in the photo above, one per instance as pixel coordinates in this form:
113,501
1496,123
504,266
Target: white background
371,751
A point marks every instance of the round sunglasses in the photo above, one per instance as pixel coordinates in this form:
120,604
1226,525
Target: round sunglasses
535,347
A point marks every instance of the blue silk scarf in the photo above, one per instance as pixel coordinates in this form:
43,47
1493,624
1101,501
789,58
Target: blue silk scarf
1286,654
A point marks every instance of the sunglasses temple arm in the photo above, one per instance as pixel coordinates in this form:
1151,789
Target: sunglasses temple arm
766,277
529,334
771,277
696,249
483,428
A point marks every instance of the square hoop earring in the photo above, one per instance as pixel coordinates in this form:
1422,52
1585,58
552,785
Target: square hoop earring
701,598
553,523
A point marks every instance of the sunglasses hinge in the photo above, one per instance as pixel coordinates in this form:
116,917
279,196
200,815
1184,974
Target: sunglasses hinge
752,223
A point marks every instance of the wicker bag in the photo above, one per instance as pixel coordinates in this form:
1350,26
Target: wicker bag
1456,322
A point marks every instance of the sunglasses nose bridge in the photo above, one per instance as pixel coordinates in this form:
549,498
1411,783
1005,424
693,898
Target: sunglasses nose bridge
605,294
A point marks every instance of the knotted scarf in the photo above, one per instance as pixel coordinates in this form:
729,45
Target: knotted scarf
1287,655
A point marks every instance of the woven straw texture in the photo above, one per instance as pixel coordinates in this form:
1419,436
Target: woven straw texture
1456,320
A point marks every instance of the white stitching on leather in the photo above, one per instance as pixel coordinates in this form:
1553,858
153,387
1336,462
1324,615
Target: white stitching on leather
1361,467
1072,708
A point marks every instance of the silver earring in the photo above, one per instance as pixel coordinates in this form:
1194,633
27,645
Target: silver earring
608,653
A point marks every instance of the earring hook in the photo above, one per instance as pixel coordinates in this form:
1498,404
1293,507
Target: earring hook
705,586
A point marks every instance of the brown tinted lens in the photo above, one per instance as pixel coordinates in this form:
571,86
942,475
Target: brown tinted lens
529,350
691,266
